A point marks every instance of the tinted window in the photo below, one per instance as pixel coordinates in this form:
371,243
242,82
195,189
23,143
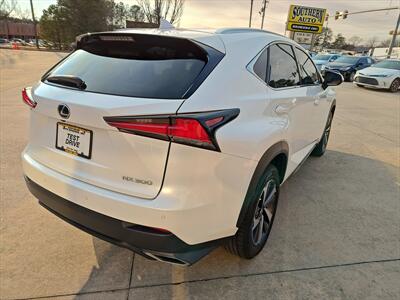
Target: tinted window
347,59
363,61
151,68
308,72
282,67
260,66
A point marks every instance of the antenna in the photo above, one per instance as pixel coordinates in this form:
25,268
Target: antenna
165,25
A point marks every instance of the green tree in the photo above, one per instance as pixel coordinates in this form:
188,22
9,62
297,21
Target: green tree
339,42
324,39
123,12
53,26
135,13
62,22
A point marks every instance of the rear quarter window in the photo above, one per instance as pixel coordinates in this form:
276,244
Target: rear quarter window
260,66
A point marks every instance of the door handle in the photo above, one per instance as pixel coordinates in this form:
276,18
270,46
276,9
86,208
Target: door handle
319,98
285,108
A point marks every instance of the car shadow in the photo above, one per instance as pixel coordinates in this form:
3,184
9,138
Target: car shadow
339,208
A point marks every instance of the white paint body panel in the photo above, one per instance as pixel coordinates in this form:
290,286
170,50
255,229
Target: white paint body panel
200,199
196,194
114,155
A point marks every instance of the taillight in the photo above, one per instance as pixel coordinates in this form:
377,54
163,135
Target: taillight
190,129
27,97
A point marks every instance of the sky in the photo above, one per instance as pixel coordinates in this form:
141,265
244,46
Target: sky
235,13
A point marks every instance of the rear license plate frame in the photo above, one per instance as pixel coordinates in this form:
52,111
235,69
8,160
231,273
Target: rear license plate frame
62,148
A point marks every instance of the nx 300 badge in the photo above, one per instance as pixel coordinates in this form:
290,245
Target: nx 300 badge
136,180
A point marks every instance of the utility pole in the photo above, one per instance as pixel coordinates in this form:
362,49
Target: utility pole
251,12
263,13
34,26
392,43
326,30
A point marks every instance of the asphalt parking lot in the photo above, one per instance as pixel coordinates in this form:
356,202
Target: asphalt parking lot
336,236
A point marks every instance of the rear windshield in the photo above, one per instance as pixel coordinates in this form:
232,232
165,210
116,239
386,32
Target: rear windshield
136,67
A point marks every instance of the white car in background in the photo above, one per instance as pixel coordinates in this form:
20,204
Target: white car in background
173,142
322,59
383,75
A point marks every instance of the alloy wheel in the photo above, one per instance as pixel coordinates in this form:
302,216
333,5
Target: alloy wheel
264,212
395,85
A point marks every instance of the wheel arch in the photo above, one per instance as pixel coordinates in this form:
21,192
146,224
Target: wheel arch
396,78
333,107
278,155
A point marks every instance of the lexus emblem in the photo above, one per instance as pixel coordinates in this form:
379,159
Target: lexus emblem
64,111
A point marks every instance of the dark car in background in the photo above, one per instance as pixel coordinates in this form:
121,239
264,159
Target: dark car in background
322,59
349,65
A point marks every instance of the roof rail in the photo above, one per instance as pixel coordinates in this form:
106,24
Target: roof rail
244,30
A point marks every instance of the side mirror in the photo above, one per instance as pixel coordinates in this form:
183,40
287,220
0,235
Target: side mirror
332,78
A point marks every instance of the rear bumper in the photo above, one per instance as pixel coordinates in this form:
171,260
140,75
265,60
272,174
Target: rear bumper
160,246
197,204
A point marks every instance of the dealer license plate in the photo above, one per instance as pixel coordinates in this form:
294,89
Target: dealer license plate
74,140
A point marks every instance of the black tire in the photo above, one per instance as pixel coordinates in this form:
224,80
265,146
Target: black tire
394,87
351,76
245,242
320,148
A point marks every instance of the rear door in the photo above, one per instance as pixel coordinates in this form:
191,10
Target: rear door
122,75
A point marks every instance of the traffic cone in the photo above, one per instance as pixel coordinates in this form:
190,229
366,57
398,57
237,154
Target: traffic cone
15,46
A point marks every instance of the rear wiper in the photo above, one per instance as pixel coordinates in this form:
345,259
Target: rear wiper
67,80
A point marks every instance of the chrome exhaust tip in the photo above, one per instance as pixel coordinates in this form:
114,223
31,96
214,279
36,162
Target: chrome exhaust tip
167,259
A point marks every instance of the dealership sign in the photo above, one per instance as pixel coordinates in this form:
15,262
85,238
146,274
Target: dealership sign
303,37
305,19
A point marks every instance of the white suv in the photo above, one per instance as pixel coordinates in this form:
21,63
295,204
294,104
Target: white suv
171,142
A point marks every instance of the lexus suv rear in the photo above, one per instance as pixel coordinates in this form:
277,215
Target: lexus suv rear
172,142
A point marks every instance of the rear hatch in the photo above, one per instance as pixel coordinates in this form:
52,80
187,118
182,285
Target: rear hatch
114,75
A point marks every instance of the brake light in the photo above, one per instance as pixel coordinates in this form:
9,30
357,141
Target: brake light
190,129
27,97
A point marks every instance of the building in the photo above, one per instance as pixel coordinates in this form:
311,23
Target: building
11,29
